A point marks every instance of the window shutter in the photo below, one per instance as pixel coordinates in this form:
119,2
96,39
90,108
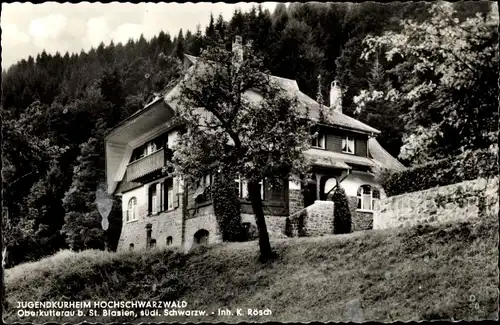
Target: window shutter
165,195
150,199
162,196
158,197
244,189
175,190
170,198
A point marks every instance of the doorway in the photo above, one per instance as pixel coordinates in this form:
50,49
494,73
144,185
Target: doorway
201,237
310,193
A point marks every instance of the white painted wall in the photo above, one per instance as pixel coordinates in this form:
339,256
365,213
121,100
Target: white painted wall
293,185
140,194
329,184
352,182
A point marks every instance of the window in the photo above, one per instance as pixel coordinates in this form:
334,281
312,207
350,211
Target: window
202,192
366,197
152,243
348,145
151,147
138,153
162,197
131,247
154,198
131,213
170,196
148,148
164,202
318,141
243,188
169,240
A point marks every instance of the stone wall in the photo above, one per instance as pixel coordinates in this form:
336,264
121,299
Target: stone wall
361,220
296,201
275,224
315,220
204,219
164,225
440,204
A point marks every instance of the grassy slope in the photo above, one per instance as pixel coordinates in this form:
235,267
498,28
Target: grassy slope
403,274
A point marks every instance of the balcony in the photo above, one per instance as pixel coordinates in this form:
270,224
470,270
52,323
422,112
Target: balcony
146,165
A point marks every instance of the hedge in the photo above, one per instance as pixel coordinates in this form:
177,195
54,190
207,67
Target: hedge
342,221
467,166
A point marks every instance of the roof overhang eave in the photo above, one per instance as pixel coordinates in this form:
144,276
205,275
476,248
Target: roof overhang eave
342,127
123,123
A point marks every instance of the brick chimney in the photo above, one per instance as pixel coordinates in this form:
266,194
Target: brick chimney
335,97
238,49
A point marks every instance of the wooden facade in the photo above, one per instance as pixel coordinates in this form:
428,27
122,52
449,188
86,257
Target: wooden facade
333,141
146,165
275,201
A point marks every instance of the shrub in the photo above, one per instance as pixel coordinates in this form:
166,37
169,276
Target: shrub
226,208
342,214
467,166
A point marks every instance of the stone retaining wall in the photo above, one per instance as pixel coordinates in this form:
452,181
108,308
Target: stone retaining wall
458,201
207,221
361,220
315,220
275,224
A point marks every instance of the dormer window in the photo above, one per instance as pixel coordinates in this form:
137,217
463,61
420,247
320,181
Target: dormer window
318,141
348,145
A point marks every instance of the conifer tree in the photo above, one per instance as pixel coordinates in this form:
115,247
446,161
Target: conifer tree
179,46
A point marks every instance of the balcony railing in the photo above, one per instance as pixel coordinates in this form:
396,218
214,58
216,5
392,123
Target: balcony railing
145,165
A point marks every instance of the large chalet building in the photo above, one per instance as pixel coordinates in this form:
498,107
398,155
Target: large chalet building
163,211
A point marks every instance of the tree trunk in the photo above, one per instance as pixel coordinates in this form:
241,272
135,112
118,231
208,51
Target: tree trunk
256,200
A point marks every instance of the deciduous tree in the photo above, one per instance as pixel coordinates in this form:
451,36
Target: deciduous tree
258,136
447,76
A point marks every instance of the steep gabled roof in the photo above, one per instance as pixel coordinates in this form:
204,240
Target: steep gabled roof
334,117
378,156
382,157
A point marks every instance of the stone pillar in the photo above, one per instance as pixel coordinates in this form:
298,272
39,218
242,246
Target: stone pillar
318,186
296,201
148,234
